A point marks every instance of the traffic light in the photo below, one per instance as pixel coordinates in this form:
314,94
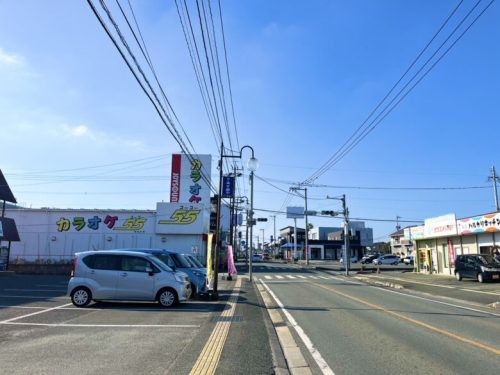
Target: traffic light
329,213
262,219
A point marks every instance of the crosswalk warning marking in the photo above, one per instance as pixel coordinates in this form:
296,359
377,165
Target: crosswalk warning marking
323,277
313,277
290,276
268,277
279,277
302,277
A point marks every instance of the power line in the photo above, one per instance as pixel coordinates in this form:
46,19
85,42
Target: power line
167,121
354,140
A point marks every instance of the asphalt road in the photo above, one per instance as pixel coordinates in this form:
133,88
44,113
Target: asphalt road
356,328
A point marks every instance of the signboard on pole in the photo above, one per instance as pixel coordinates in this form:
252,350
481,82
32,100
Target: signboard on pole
190,178
227,187
295,212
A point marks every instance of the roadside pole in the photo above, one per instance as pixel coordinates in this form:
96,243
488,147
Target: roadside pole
347,251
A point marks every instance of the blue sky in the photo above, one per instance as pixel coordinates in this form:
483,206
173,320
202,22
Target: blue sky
304,76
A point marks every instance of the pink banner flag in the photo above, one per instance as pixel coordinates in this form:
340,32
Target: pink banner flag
230,261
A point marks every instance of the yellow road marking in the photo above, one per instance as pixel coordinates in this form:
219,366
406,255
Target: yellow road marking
417,322
209,357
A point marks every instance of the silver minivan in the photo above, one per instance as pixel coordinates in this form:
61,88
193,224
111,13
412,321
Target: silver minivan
125,275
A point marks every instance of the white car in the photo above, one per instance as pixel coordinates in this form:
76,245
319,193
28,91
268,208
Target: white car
387,259
125,275
354,259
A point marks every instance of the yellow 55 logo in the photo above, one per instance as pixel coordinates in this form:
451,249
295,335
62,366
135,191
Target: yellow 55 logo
182,217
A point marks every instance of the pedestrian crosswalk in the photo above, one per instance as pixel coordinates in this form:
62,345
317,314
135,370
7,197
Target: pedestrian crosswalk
293,277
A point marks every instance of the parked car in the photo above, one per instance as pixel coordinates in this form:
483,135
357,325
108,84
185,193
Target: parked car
483,267
387,259
177,261
408,260
256,258
266,256
125,275
367,259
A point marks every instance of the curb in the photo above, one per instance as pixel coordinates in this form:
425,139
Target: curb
379,283
295,360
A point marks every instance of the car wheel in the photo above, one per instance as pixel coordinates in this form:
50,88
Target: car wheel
81,296
396,263
194,292
458,276
167,297
480,277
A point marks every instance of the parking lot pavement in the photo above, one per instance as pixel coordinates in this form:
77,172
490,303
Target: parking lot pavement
42,332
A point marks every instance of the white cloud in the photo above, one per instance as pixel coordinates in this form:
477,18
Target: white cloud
77,131
11,59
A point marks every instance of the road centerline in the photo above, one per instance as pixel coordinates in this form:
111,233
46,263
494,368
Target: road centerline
411,320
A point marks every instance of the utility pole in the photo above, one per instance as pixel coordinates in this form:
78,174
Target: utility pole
274,238
494,179
294,237
307,224
347,251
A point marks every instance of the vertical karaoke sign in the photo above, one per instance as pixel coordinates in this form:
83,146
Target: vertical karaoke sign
189,182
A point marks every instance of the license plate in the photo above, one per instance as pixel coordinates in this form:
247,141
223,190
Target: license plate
495,276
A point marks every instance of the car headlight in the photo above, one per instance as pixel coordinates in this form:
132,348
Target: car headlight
487,269
180,278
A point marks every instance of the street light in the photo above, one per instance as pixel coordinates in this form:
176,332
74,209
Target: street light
252,166
307,225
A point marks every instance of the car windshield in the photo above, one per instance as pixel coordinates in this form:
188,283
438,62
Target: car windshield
160,263
195,261
488,260
181,261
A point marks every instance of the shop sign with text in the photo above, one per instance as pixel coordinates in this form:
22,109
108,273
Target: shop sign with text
479,224
441,226
182,218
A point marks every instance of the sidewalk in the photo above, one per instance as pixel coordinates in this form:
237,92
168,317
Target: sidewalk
240,332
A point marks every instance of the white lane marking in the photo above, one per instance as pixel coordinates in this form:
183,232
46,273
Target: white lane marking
105,325
302,277
44,307
36,290
323,277
419,297
35,313
290,276
314,277
35,297
414,282
279,277
325,369
480,291
268,277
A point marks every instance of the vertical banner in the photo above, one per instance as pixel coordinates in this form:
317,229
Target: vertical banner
451,253
227,187
210,268
231,269
175,179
